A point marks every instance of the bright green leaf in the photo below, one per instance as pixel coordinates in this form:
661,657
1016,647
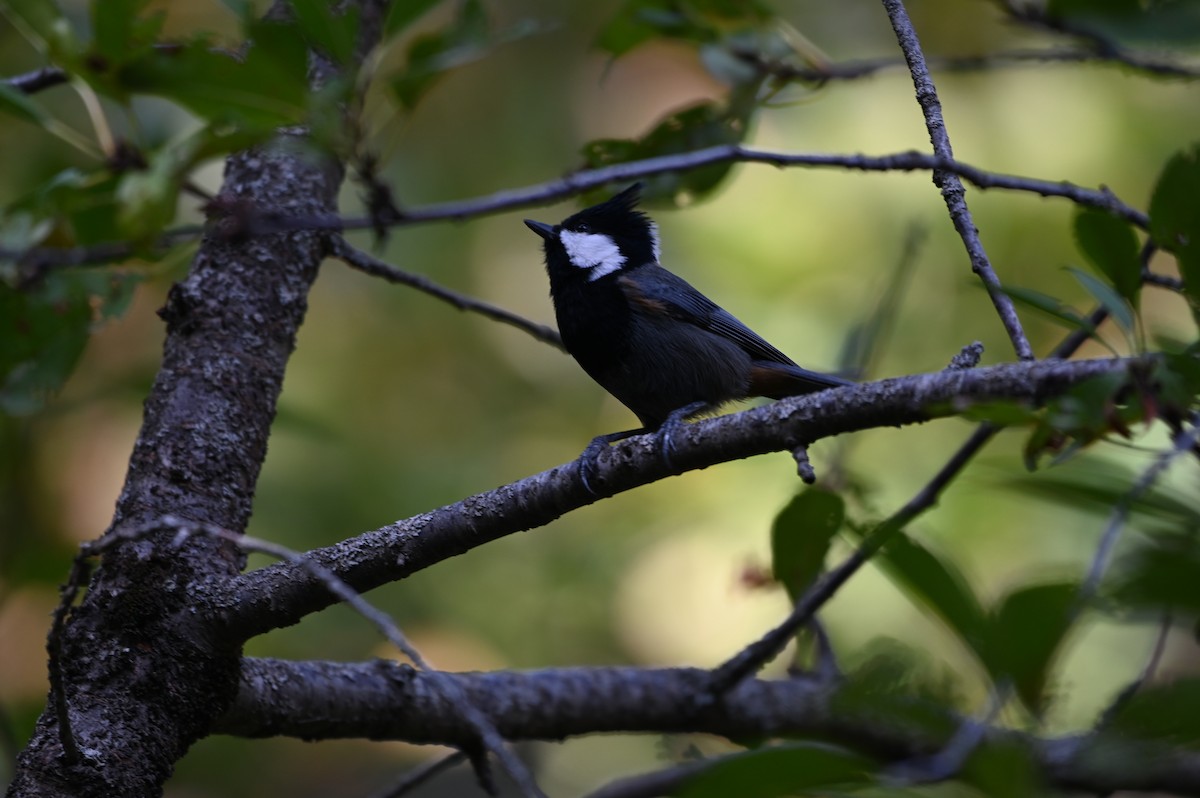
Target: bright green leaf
1111,246
1026,632
800,537
1175,217
778,771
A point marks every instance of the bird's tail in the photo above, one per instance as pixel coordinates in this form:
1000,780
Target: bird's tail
777,380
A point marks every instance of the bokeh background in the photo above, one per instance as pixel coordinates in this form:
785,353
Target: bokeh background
396,403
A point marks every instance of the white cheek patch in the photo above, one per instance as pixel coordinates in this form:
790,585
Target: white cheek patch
594,251
655,243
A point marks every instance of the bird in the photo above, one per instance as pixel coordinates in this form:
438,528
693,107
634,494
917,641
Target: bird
661,347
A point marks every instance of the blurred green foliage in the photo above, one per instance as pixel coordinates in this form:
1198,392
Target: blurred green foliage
395,404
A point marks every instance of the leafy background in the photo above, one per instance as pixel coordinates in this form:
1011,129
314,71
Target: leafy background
395,403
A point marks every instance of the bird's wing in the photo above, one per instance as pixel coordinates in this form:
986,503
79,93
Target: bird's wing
657,290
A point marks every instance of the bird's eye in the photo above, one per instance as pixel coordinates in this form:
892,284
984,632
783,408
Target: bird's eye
584,228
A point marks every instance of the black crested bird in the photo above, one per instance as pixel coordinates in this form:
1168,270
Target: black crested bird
661,347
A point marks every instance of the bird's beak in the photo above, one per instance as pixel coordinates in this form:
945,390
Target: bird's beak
541,228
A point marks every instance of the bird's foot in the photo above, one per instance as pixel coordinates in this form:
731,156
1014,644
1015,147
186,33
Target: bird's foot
589,459
674,422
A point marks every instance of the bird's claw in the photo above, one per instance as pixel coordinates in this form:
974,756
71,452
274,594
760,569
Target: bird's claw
664,440
588,463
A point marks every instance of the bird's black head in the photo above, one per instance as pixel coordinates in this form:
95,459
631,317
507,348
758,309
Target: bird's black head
601,240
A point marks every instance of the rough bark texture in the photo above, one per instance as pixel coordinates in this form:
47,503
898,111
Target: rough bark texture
144,675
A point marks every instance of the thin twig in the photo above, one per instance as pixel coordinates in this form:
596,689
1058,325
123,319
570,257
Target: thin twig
369,264
1183,443
37,80
951,186
1147,673
766,648
40,259
419,775
80,569
854,70
947,762
488,736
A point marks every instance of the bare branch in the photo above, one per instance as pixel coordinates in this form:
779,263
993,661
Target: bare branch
1182,444
368,264
855,70
326,700
419,775
952,188
38,260
37,80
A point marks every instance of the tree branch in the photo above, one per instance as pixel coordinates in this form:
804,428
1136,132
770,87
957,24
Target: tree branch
951,186
281,594
357,259
386,700
36,261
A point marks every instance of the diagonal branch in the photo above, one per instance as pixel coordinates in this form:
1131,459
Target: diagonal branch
952,188
368,264
281,594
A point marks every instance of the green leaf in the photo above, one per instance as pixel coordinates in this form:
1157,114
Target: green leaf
1025,634
1056,309
800,537
404,13
1130,21
704,125
466,39
43,23
1161,573
936,585
1095,486
267,89
1118,309
1165,712
334,34
118,31
778,771
1175,218
15,103
696,21
43,332
898,686
1111,246
1004,768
